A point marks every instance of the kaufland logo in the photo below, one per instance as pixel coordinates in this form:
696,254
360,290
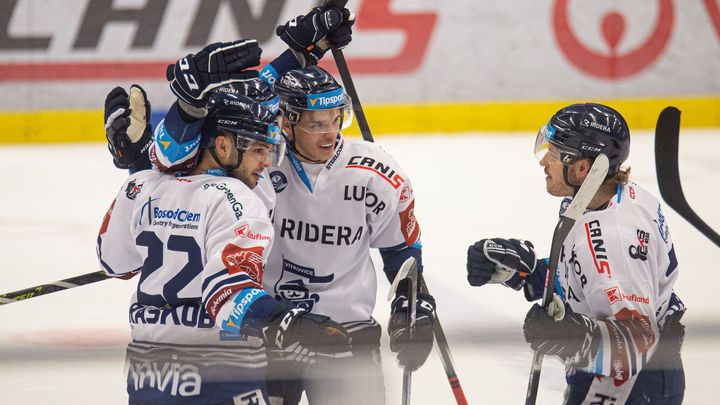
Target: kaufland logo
328,99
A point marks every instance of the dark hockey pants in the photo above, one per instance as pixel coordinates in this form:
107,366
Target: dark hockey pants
357,380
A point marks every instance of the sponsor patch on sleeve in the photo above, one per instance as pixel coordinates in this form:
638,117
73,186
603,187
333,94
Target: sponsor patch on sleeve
408,224
247,260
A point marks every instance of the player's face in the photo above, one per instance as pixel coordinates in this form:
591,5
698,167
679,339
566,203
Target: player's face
554,181
254,160
316,133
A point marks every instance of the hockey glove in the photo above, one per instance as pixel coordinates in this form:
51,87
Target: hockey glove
127,127
217,64
304,33
565,334
411,351
506,261
297,335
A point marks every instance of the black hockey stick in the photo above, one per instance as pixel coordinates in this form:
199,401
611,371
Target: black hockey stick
445,355
408,271
577,207
348,82
667,140
43,289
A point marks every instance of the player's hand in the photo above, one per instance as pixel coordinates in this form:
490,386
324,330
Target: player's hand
192,77
305,34
127,127
412,351
563,333
306,338
497,260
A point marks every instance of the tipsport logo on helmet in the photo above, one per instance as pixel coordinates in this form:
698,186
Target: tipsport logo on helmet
328,99
274,134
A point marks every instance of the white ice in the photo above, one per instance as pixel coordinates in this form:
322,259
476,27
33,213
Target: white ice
68,347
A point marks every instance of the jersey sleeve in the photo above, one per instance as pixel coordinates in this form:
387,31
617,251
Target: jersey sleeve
618,292
390,213
115,246
176,146
239,237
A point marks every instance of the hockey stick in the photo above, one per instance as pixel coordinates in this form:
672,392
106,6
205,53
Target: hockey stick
408,271
43,289
577,207
348,82
667,139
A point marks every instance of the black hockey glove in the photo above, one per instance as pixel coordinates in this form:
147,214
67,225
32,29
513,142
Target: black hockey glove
566,334
297,335
411,352
341,36
127,127
217,64
304,33
506,261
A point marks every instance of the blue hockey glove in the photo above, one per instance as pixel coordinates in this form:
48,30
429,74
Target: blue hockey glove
411,351
506,261
192,77
304,33
127,127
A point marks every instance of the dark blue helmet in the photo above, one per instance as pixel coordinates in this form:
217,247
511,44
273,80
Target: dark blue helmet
255,89
311,89
587,130
247,121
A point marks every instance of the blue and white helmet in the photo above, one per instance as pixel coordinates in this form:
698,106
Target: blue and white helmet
312,89
248,121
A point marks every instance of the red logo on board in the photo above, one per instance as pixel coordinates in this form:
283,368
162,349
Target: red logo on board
613,65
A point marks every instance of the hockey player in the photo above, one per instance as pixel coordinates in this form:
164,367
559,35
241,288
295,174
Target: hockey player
336,199
615,322
200,319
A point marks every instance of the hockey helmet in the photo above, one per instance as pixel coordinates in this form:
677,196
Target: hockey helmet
255,89
312,89
248,121
586,130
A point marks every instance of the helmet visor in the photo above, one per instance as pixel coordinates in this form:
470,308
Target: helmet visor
542,147
271,149
542,140
322,114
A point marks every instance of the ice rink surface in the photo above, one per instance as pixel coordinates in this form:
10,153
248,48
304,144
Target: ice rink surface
68,347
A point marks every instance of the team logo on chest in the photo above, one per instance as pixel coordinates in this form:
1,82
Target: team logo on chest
279,181
295,283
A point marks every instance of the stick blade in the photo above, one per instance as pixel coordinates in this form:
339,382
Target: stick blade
667,140
667,134
407,265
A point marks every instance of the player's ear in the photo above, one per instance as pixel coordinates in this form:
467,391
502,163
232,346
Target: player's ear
223,146
581,167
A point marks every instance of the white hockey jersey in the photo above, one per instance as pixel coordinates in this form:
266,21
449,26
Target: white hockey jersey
618,266
327,218
195,241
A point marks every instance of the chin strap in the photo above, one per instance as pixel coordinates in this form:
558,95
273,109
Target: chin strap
565,177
